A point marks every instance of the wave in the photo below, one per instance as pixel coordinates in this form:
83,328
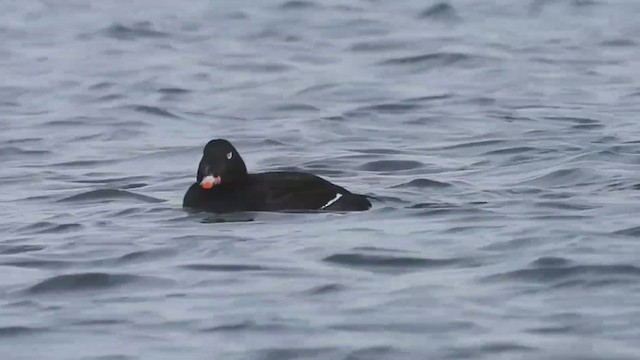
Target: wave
88,281
104,195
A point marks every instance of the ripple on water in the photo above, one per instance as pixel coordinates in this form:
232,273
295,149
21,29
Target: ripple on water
576,176
84,163
154,110
381,46
22,140
432,209
136,257
18,249
224,267
440,11
436,60
173,91
325,289
46,227
12,331
619,43
113,357
293,352
295,108
505,348
511,150
391,165
100,322
631,231
123,180
377,352
407,327
297,5
139,30
107,195
423,183
390,108
39,264
102,85
246,325
390,263
475,144
563,205
377,151
560,272
77,121
18,152
261,67
429,98
90,281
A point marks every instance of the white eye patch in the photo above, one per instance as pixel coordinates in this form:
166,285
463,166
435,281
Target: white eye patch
229,155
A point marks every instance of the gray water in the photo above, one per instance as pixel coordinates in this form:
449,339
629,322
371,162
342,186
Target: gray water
500,140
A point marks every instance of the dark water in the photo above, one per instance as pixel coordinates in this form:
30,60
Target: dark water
500,139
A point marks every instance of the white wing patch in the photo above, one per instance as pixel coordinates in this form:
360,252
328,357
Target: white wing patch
338,196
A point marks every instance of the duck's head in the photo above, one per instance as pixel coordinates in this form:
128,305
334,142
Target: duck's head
221,164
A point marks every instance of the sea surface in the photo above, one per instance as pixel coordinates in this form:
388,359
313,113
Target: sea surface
499,141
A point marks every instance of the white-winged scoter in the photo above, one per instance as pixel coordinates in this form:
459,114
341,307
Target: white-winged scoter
224,185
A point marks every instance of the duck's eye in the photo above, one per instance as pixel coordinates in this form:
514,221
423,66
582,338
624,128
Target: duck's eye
229,155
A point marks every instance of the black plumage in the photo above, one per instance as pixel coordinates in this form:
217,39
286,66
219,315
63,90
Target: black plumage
236,190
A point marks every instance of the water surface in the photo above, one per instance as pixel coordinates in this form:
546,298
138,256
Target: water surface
499,139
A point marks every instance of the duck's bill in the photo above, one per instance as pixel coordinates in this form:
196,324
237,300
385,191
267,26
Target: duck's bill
210,181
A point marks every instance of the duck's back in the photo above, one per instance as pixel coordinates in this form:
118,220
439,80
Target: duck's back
303,191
